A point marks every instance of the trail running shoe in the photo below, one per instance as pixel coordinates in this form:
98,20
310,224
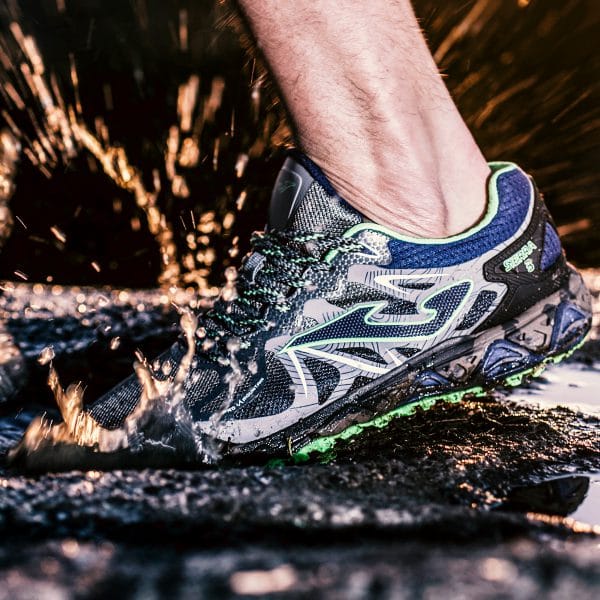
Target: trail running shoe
340,323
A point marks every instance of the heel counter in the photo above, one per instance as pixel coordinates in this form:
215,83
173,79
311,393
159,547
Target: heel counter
552,250
532,267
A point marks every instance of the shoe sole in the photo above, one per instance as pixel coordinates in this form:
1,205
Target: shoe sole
472,366
324,445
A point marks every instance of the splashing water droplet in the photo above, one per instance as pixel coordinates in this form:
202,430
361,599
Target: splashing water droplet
229,291
46,355
159,422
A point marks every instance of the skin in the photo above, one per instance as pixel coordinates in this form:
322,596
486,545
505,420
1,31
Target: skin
371,109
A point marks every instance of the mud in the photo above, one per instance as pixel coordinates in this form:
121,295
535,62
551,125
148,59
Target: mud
463,500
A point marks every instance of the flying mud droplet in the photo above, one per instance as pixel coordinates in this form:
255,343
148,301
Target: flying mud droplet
9,155
240,165
229,291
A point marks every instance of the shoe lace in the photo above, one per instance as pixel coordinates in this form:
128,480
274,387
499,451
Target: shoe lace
284,260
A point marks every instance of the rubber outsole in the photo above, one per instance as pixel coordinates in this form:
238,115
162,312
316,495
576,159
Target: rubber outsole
325,445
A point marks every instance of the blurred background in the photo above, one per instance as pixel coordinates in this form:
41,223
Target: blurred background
139,140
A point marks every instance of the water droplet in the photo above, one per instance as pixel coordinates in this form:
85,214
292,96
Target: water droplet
46,355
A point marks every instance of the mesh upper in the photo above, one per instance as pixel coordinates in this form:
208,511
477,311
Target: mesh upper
363,352
326,377
352,293
275,394
358,383
481,305
111,409
552,247
319,212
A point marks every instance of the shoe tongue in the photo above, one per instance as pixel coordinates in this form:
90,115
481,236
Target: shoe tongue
288,193
304,200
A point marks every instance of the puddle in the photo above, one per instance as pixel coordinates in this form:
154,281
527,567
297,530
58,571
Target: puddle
589,510
575,496
573,385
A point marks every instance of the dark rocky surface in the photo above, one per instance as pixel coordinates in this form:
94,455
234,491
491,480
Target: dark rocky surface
459,501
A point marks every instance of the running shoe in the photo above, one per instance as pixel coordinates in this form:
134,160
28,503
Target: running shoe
339,324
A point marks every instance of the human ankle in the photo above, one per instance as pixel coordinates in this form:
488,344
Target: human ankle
432,185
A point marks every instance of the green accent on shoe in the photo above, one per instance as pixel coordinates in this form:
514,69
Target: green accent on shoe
325,445
520,256
276,463
497,168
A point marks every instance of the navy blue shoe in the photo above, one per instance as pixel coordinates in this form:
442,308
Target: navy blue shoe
340,324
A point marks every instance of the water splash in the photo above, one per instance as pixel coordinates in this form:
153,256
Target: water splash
53,131
116,165
160,420
233,379
9,156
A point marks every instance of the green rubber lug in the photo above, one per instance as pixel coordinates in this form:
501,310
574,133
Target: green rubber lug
276,463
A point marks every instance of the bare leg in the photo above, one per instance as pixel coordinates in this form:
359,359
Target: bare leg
370,107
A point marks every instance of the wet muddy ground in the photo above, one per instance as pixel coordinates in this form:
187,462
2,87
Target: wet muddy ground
498,498
495,498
